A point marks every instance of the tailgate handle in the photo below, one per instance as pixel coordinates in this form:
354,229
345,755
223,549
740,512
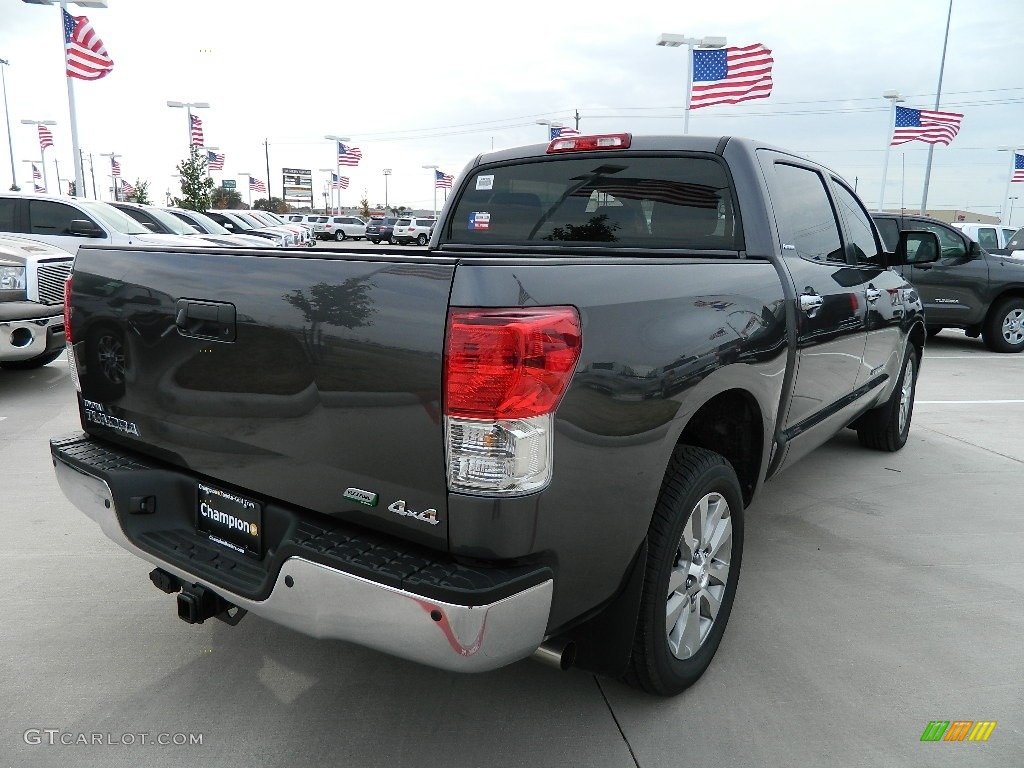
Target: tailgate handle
205,319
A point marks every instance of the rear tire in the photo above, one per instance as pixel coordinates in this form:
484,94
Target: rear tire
887,427
421,240
34,362
375,242
1004,327
339,235
695,547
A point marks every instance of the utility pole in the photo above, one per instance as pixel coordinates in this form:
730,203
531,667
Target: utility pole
577,119
266,151
92,170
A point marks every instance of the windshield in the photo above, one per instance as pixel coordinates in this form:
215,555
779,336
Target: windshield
173,223
633,201
212,227
113,218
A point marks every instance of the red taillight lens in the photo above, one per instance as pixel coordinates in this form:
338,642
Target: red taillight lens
587,143
509,363
67,310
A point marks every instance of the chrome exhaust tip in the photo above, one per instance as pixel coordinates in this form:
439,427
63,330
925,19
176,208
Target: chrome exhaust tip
557,653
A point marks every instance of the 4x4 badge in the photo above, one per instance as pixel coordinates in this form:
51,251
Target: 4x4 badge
426,516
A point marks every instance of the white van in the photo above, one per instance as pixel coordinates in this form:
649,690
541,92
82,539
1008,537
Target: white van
68,222
993,238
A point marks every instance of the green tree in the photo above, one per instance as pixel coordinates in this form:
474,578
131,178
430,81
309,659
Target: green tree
347,305
364,207
226,198
196,185
398,210
141,193
274,205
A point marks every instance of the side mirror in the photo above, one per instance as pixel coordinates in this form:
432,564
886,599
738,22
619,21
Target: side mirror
84,228
915,247
975,250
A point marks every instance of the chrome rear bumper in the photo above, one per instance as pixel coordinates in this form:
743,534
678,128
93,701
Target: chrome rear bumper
328,603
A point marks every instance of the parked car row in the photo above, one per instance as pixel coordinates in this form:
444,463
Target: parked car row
331,227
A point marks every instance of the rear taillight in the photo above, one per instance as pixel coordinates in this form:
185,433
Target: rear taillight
587,143
67,309
505,371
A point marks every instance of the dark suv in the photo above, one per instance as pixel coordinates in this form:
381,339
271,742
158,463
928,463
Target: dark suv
968,287
380,229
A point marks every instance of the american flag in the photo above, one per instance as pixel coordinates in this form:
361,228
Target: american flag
349,155
443,180
45,138
339,182
86,57
255,185
127,189
655,190
197,132
1018,167
731,75
925,125
38,188
36,175
214,161
115,168
562,132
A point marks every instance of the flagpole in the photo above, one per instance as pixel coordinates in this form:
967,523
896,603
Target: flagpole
60,185
938,97
92,172
46,176
893,97
1006,197
75,151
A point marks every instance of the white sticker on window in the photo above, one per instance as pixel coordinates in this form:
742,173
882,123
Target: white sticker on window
485,182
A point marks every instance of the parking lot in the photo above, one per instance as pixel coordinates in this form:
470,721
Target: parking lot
879,592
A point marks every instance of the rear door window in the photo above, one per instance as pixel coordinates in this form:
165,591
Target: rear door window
631,201
808,215
7,207
890,232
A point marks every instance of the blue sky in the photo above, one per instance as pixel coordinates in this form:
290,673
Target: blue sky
416,84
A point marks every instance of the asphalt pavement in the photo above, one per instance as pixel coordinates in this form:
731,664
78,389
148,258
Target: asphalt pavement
879,592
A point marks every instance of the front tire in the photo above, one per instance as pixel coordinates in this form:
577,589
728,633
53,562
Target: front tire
695,547
1004,328
339,235
375,242
886,428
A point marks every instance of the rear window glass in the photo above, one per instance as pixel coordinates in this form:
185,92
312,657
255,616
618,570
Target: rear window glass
403,222
679,202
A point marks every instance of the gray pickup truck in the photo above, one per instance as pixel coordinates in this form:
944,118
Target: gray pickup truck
537,438
32,276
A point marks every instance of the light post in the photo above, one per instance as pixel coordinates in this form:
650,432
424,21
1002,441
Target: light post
1009,217
10,141
387,172
669,40
188,106
433,169
893,97
247,175
330,187
1009,177
551,124
113,156
42,149
337,156
73,122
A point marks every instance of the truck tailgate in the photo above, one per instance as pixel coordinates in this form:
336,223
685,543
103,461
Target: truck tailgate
312,379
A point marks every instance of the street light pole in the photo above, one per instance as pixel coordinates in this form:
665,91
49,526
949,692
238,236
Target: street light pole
188,106
938,98
10,141
114,179
669,40
433,168
893,97
42,149
387,172
337,161
330,188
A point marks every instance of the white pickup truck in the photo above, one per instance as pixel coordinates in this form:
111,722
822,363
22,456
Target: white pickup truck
32,278
993,238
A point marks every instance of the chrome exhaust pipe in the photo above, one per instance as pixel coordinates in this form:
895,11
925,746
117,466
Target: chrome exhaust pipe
558,653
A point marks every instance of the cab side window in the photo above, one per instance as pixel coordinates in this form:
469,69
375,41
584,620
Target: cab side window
987,238
858,226
951,245
7,206
807,214
49,218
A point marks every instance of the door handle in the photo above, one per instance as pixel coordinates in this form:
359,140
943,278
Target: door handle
810,303
872,295
205,319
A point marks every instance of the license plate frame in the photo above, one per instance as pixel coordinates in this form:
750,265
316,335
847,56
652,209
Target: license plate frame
229,520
